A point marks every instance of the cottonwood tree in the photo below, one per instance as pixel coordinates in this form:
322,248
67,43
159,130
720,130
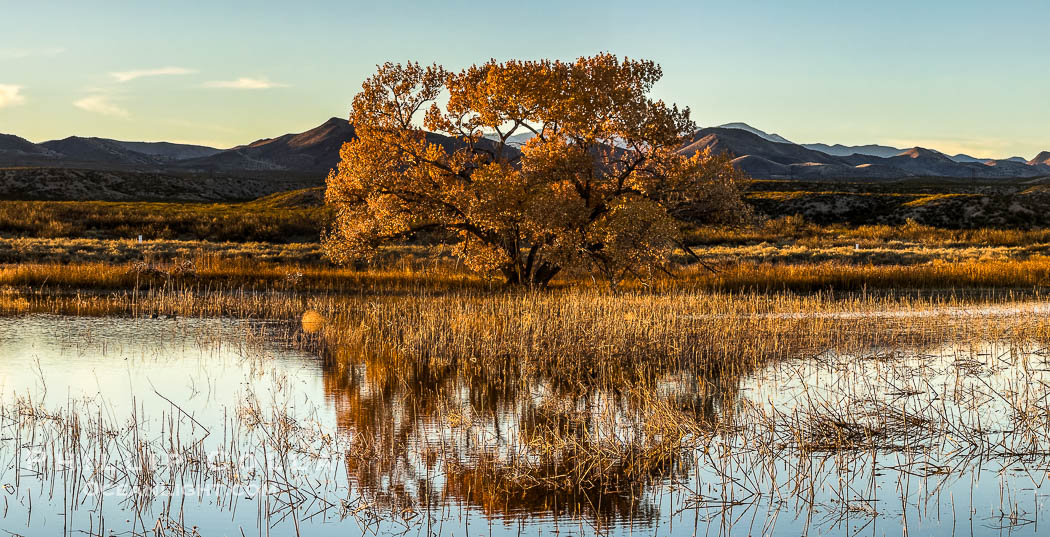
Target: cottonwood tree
600,186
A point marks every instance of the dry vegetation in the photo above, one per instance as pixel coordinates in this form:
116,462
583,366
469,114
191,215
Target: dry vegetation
420,270
797,230
599,396
951,204
790,363
295,216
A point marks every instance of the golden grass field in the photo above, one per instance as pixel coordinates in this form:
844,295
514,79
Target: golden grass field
789,266
279,218
211,252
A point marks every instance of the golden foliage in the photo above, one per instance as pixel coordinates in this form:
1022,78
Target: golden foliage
599,188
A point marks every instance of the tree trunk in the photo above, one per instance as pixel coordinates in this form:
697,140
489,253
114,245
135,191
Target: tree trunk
511,275
540,276
544,273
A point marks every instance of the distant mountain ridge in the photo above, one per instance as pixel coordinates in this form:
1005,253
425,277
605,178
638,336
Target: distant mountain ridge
313,152
168,150
1041,158
97,150
840,150
874,150
763,158
12,145
745,127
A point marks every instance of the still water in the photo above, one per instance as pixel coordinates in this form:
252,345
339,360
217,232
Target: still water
124,426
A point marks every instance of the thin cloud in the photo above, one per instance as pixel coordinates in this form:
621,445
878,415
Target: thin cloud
19,53
127,76
244,83
100,104
11,95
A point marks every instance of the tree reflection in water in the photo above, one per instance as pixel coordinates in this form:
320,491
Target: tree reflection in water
430,434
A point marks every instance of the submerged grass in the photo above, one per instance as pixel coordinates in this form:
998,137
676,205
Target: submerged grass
579,401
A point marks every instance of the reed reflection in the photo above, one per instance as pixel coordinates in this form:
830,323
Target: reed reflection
430,434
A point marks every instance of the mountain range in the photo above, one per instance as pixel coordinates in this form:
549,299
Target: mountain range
770,156
840,150
314,152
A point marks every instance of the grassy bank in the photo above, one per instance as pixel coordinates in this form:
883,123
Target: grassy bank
296,216
796,229
271,245
943,212
848,247
207,273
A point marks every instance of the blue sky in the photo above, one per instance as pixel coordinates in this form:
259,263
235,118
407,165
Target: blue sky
956,76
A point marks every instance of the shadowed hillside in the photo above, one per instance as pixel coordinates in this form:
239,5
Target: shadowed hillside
78,168
81,184
313,151
764,159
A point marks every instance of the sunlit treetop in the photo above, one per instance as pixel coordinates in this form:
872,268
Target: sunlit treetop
600,186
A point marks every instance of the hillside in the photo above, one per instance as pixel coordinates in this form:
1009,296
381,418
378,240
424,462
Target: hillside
305,158
12,146
945,204
114,185
77,149
764,159
168,150
313,151
840,150
772,137
1041,158
78,168
740,143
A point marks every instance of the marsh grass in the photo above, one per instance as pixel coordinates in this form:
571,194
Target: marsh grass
674,366
404,272
577,400
296,216
580,402
66,251
598,397
798,230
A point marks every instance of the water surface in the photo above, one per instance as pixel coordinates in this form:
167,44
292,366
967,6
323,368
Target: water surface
173,426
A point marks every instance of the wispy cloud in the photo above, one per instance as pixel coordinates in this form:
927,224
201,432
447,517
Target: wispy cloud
11,95
100,104
244,83
19,53
127,76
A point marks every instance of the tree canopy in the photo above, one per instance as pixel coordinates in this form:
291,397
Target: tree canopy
599,187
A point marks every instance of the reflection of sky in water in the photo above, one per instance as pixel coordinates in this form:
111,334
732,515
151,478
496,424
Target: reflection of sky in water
977,475
201,365
124,369
121,369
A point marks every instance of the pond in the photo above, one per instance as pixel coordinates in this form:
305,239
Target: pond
143,426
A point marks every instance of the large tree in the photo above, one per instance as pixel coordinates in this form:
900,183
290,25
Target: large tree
600,186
